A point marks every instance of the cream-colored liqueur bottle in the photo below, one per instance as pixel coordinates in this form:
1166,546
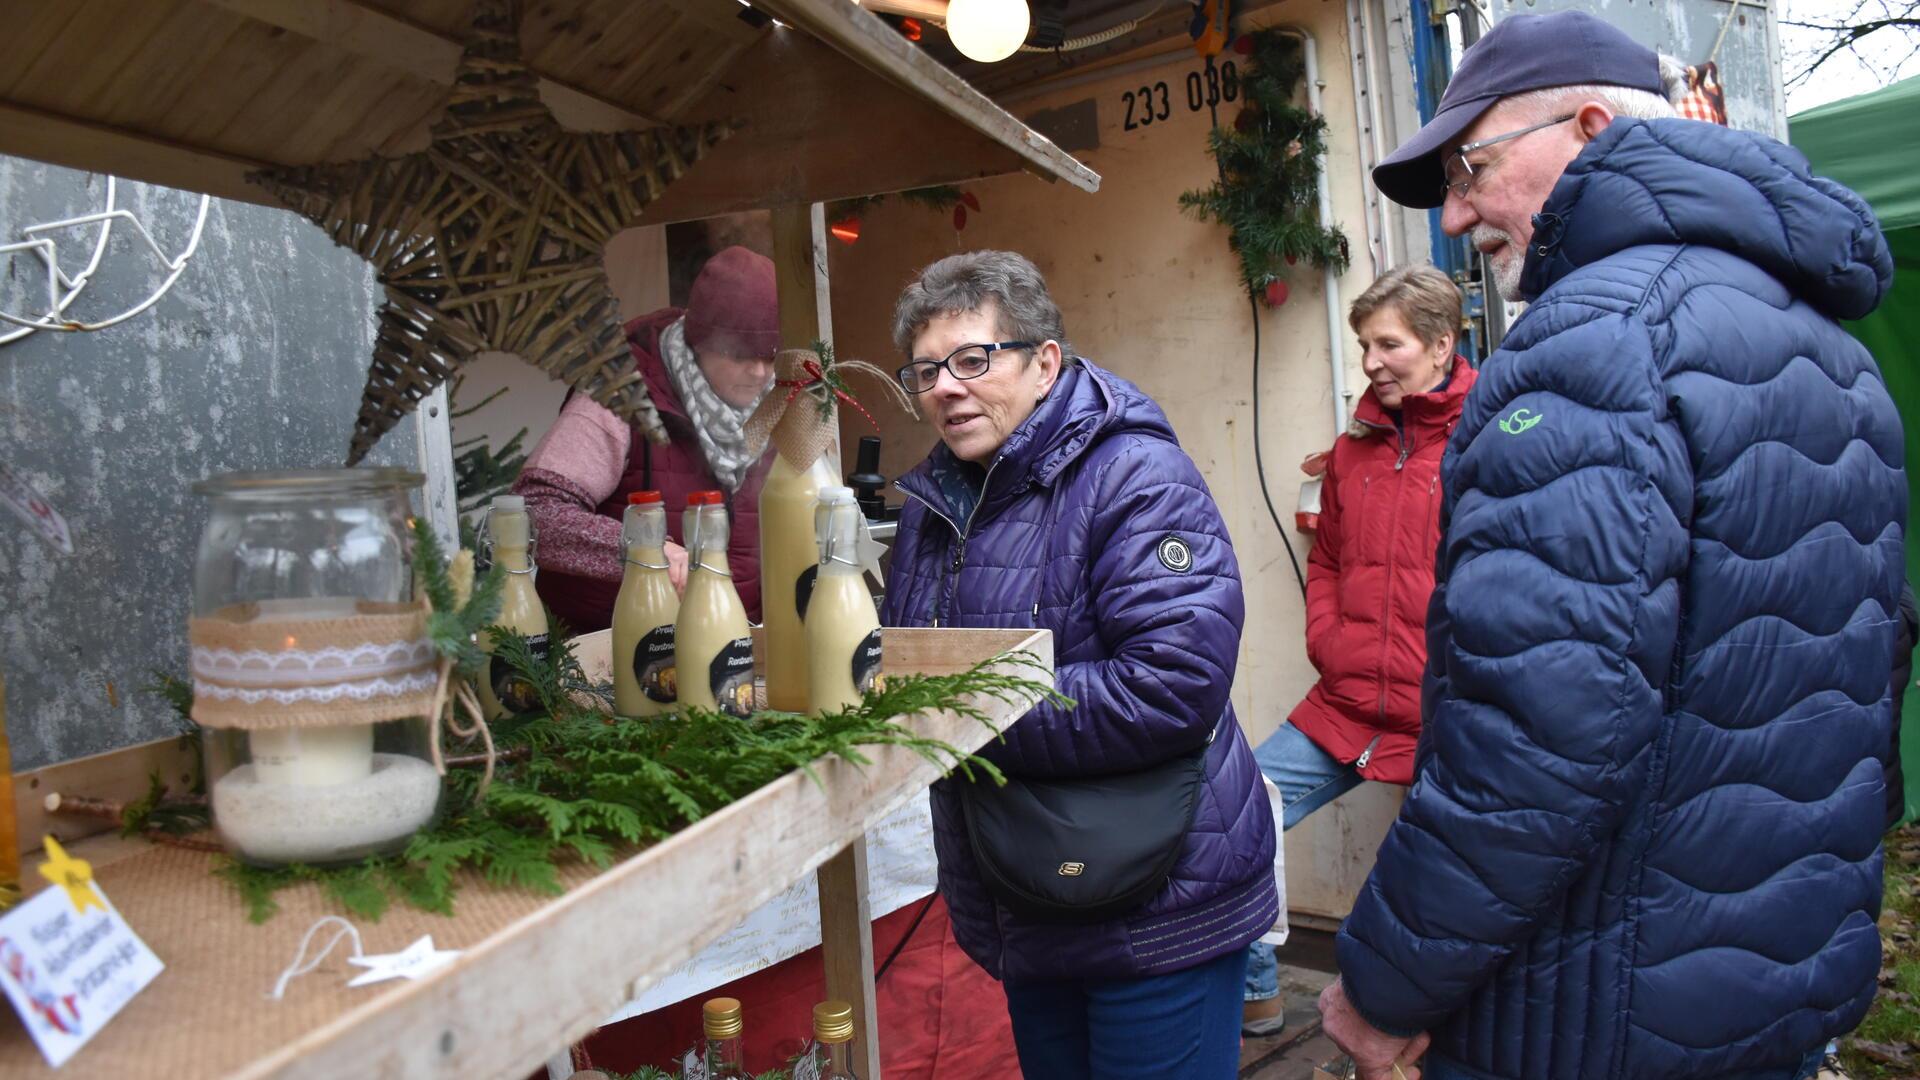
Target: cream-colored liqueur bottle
712,644
788,556
644,613
843,628
510,536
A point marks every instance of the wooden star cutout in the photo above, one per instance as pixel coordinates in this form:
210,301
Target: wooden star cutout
71,874
493,238
412,962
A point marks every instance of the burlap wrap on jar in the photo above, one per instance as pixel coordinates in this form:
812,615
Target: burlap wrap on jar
254,673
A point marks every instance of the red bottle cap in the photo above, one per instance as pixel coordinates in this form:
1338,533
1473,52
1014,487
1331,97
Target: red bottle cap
641,498
706,498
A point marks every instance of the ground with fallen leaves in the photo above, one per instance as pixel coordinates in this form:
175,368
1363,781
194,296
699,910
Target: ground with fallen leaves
1887,1044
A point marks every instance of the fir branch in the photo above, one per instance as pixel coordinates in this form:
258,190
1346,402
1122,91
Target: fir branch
178,694
1269,164
155,812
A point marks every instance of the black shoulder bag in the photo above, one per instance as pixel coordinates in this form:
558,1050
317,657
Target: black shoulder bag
1083,849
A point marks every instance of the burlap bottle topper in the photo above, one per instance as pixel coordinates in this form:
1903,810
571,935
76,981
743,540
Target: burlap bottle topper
254,671
801,415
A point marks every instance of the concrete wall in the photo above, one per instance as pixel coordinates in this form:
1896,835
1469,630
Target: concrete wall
255,360
1154,295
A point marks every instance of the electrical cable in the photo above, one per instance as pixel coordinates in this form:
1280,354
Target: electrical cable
904,938
1259,460
1259,465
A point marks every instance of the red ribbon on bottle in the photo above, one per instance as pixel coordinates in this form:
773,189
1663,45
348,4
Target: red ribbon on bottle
818,377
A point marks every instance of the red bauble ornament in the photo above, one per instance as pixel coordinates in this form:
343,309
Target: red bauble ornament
1243,45
1276,293
959,216
846,230
1291,261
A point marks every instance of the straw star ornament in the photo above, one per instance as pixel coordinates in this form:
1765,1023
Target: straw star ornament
492,238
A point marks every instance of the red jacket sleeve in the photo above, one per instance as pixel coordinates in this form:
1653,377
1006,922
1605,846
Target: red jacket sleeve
1323,566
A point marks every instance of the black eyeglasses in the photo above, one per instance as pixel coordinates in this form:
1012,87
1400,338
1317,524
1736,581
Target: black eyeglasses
965,362
1461,173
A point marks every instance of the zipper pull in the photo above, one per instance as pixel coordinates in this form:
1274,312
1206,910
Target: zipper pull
959,556
1406,448
1367,754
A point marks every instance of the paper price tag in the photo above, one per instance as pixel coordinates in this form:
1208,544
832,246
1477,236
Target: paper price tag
68,962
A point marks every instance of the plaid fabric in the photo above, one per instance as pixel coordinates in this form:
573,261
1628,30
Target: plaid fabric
1704,99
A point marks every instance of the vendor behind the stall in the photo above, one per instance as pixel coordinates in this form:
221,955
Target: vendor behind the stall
706,368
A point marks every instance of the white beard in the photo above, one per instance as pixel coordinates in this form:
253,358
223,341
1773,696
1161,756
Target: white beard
1506,266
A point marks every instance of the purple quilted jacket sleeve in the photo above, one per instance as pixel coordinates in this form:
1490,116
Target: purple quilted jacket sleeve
1165,602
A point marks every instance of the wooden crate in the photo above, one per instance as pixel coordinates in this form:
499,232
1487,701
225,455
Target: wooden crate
536,973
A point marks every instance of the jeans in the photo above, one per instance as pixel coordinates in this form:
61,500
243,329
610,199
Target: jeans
1308,778
1180,1026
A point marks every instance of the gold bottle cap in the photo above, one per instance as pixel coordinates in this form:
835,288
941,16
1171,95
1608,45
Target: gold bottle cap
721,1018
833,1022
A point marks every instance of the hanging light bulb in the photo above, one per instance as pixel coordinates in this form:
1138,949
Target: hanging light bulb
988,30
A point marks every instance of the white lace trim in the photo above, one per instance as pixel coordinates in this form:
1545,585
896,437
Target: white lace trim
258,667
364,690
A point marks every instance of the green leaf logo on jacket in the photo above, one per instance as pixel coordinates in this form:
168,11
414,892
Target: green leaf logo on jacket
1521,420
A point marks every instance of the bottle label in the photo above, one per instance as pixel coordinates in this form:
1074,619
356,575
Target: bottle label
731,677
866,665
514,693
653,665
803,589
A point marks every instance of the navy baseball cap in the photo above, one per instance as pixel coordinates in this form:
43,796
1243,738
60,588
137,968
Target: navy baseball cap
1521,53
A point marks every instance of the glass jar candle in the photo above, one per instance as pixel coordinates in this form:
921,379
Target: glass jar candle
313,675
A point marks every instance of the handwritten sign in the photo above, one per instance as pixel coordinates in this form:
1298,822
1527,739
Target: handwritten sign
68,961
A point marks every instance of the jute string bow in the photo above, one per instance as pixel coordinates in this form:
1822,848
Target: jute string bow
802,435
446,709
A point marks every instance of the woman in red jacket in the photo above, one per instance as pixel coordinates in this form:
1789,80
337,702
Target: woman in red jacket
1371,570
705,369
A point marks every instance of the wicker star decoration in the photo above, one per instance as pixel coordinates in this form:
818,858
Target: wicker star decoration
492,238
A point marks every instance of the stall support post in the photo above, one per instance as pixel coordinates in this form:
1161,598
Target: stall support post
800,275
433,443
846,946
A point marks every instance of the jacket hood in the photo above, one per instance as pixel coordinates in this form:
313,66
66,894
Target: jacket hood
1087,403
1686,182
643,341
1425,414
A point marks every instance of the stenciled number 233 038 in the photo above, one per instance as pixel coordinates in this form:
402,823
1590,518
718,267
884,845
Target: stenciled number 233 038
1205,89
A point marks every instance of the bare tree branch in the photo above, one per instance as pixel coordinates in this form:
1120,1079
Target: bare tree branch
1847,37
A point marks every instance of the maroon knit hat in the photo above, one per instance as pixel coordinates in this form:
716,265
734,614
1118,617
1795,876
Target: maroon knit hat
733,305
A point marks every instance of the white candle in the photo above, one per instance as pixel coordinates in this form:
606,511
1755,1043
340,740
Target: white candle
313,756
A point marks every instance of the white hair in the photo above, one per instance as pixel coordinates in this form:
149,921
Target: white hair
1623,100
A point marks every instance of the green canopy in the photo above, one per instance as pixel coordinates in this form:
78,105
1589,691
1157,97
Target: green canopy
1871,143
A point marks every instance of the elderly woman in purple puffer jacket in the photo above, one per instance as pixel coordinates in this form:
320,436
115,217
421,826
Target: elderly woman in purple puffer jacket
1058,497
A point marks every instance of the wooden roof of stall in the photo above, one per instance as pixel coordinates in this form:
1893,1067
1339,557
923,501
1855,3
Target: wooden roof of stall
196,93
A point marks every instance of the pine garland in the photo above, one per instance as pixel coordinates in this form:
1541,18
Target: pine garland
1269,172
573,785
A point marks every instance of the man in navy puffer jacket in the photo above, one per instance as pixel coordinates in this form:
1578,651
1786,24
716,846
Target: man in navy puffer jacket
1643,839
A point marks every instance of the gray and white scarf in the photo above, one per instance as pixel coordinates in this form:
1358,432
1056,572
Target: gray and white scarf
720,426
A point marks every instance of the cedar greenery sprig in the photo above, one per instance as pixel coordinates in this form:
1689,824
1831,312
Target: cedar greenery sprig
1269,165
462,606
